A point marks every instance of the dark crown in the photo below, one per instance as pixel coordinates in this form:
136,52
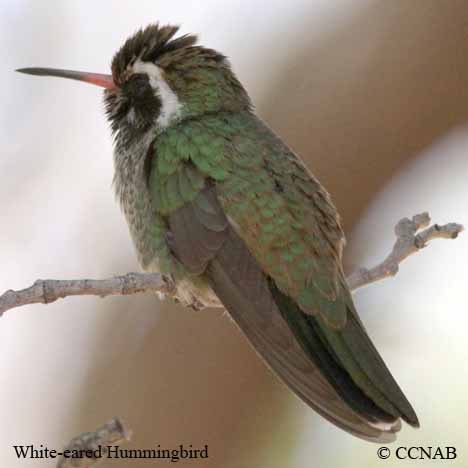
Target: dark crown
148,45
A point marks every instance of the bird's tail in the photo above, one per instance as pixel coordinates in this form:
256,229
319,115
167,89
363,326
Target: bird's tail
350,362
337,372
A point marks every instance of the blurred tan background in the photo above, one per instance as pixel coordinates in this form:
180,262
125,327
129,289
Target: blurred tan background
372,94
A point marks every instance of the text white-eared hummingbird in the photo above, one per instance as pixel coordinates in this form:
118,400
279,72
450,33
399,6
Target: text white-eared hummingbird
218,204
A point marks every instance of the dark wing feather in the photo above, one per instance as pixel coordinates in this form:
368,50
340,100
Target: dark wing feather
198,229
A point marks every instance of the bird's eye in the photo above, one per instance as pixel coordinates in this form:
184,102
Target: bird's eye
138,78
137,85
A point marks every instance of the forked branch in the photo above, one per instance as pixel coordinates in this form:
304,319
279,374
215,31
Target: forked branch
408,242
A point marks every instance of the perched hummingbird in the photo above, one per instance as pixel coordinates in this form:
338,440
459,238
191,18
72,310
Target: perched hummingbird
220,205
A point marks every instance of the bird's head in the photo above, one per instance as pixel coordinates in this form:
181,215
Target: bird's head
158,80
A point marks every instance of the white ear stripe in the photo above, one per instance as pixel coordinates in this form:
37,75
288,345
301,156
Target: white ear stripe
170,104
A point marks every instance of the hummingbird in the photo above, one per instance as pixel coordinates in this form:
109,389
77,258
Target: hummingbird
219,205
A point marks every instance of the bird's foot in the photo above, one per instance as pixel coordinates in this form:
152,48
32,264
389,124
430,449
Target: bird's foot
169,290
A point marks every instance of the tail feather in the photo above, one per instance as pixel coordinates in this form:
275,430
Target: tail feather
350,361
314,363
312,339
356,344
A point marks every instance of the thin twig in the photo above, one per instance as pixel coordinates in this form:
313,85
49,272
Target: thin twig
89,448
408,242
46,291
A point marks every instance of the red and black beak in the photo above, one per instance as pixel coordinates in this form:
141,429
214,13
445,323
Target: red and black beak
98,79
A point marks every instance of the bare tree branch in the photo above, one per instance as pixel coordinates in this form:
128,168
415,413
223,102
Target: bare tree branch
46,291
89,448
408,242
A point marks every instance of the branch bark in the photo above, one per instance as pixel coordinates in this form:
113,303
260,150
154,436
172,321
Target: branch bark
408,242
47,291
89,448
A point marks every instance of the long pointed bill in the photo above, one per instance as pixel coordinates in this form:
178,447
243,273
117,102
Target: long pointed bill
98,79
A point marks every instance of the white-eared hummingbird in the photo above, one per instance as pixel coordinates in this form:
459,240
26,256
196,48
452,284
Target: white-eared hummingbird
220,205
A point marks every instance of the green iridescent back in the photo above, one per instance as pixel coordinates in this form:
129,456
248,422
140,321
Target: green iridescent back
281,211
